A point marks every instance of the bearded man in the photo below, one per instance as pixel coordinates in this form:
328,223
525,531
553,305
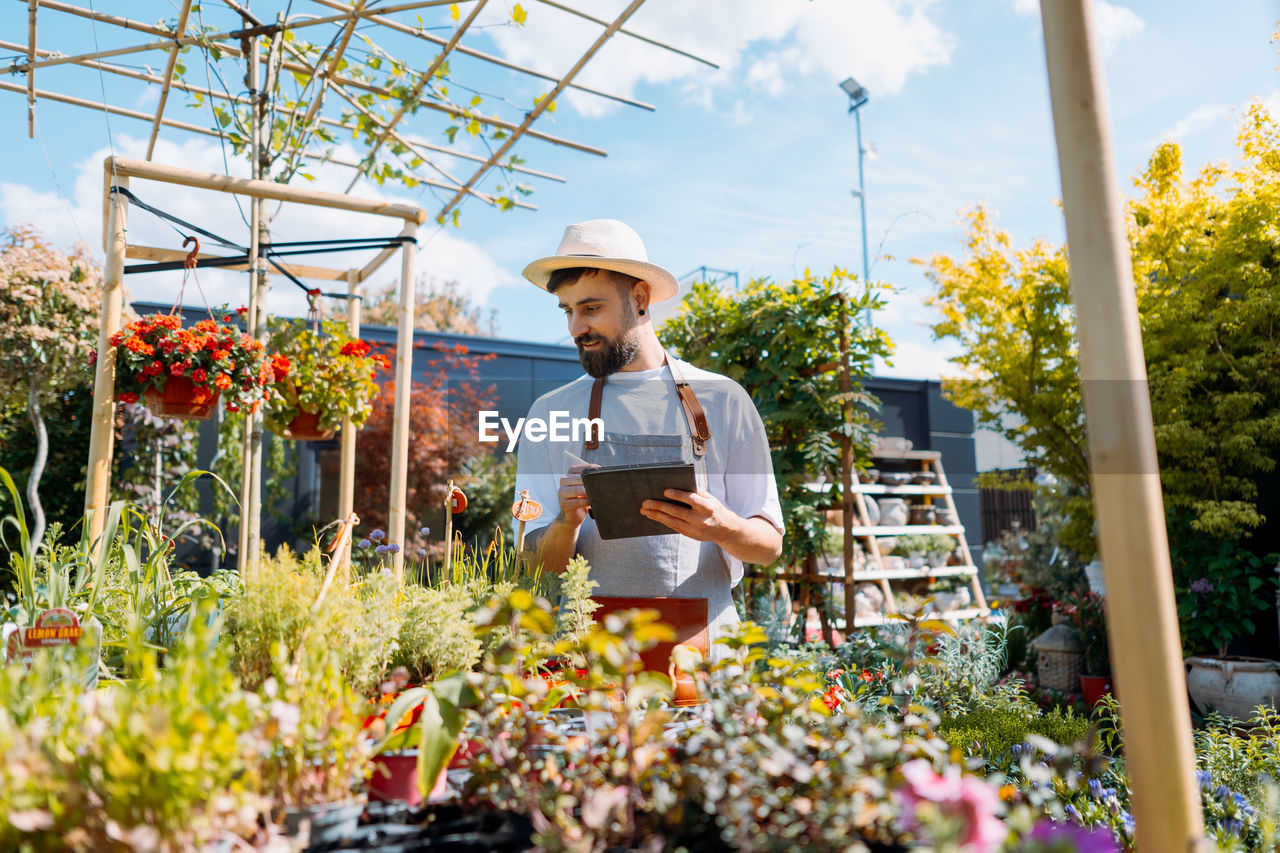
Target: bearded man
655,409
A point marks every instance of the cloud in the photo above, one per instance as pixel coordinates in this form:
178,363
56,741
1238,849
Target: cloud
443,253
772,46
1113,23
1205,117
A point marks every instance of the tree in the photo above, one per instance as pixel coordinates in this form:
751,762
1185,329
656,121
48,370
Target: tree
781,343
1207,274
439,306
442,439
49,306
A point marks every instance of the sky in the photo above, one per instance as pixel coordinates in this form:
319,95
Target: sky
747,168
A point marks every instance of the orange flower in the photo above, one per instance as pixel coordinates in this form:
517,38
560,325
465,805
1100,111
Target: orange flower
221,354
280,367
222,381
206,326
866,676
833,697
200,396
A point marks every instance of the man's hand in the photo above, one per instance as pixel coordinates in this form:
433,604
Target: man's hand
752,540
573,497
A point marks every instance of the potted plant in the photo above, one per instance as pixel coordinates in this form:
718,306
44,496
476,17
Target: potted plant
419,736
321,376
182,372
1088,613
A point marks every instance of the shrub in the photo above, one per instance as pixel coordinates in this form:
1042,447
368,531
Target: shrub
992,733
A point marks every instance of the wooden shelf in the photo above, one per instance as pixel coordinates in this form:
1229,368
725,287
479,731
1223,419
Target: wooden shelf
903,574
910,456
946,615
880,489
907,529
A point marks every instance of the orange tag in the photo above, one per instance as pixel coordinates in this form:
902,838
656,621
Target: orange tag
56,627
458,501
526,509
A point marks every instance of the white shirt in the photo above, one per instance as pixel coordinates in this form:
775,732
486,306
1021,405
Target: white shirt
738,465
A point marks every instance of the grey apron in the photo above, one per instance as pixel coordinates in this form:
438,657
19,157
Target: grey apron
673,566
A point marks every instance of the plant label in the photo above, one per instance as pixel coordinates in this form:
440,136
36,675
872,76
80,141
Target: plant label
56,627
526,509
457,501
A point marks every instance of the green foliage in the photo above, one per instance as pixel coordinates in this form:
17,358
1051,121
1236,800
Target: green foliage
1206,271
1220,588
437,631
781,342
991,733
328,373
924,543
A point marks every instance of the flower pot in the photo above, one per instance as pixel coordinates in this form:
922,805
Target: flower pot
1234,686
893,512
328,823
176,400
1094,687
306,427
922,514
395,778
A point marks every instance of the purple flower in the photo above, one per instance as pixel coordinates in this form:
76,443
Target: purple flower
1204,778
363,543
426,531
382,549
1202,586
378,535
1094,840
422,553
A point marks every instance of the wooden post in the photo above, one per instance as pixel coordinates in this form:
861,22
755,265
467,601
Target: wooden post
404,386
1141,616
448,529
102,429
347,476
846,467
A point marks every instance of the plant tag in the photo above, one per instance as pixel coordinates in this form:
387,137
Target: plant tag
457,501
56,627
526,509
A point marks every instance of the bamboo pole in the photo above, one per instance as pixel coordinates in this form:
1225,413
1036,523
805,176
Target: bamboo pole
31,74
168,75
404,386
635,36
846,467
251,458
263,189
102,429
547,100
153,253
1141,615
347,471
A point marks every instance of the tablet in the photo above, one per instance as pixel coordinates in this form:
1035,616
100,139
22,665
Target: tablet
616,493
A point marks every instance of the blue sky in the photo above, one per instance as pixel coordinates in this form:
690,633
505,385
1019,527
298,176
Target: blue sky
748,168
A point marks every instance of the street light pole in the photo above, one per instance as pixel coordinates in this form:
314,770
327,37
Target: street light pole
857,97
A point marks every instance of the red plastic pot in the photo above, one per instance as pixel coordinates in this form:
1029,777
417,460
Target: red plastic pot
1094,687
395,778
306,427
176,400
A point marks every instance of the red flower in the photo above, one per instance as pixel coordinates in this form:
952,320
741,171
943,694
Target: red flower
356,348
833,697
232,407
280,367
242,310
128,397
198,375
866,676
93,357
177,368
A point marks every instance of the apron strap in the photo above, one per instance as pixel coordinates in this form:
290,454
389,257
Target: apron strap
699,429
593,412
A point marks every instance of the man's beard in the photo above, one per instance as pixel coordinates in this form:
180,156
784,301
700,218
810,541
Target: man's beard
611,356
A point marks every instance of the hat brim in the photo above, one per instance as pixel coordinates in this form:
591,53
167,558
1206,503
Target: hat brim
662,284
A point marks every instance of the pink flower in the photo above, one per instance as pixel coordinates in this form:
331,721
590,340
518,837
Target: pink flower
954,795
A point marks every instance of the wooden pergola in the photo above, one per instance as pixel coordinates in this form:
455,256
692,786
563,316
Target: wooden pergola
381,109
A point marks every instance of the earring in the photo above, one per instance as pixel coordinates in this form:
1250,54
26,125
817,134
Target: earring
641,312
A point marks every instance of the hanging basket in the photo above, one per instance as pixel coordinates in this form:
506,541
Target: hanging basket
177,401
306,427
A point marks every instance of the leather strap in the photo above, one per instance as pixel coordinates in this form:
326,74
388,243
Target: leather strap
593,413
699,429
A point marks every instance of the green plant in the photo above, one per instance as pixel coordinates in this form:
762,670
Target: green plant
781,342
923,543
1219,586
437,631
437,720
324,371
216,357
991,733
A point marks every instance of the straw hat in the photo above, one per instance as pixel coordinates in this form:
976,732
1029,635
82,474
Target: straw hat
605,244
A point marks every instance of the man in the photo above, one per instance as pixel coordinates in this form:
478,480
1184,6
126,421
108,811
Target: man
655,408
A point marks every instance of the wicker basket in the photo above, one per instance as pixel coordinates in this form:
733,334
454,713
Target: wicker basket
1060,658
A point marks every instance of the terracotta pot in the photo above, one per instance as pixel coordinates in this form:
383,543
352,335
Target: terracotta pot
175,401
395,778
1233,685
306,427
1094,687
922,514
